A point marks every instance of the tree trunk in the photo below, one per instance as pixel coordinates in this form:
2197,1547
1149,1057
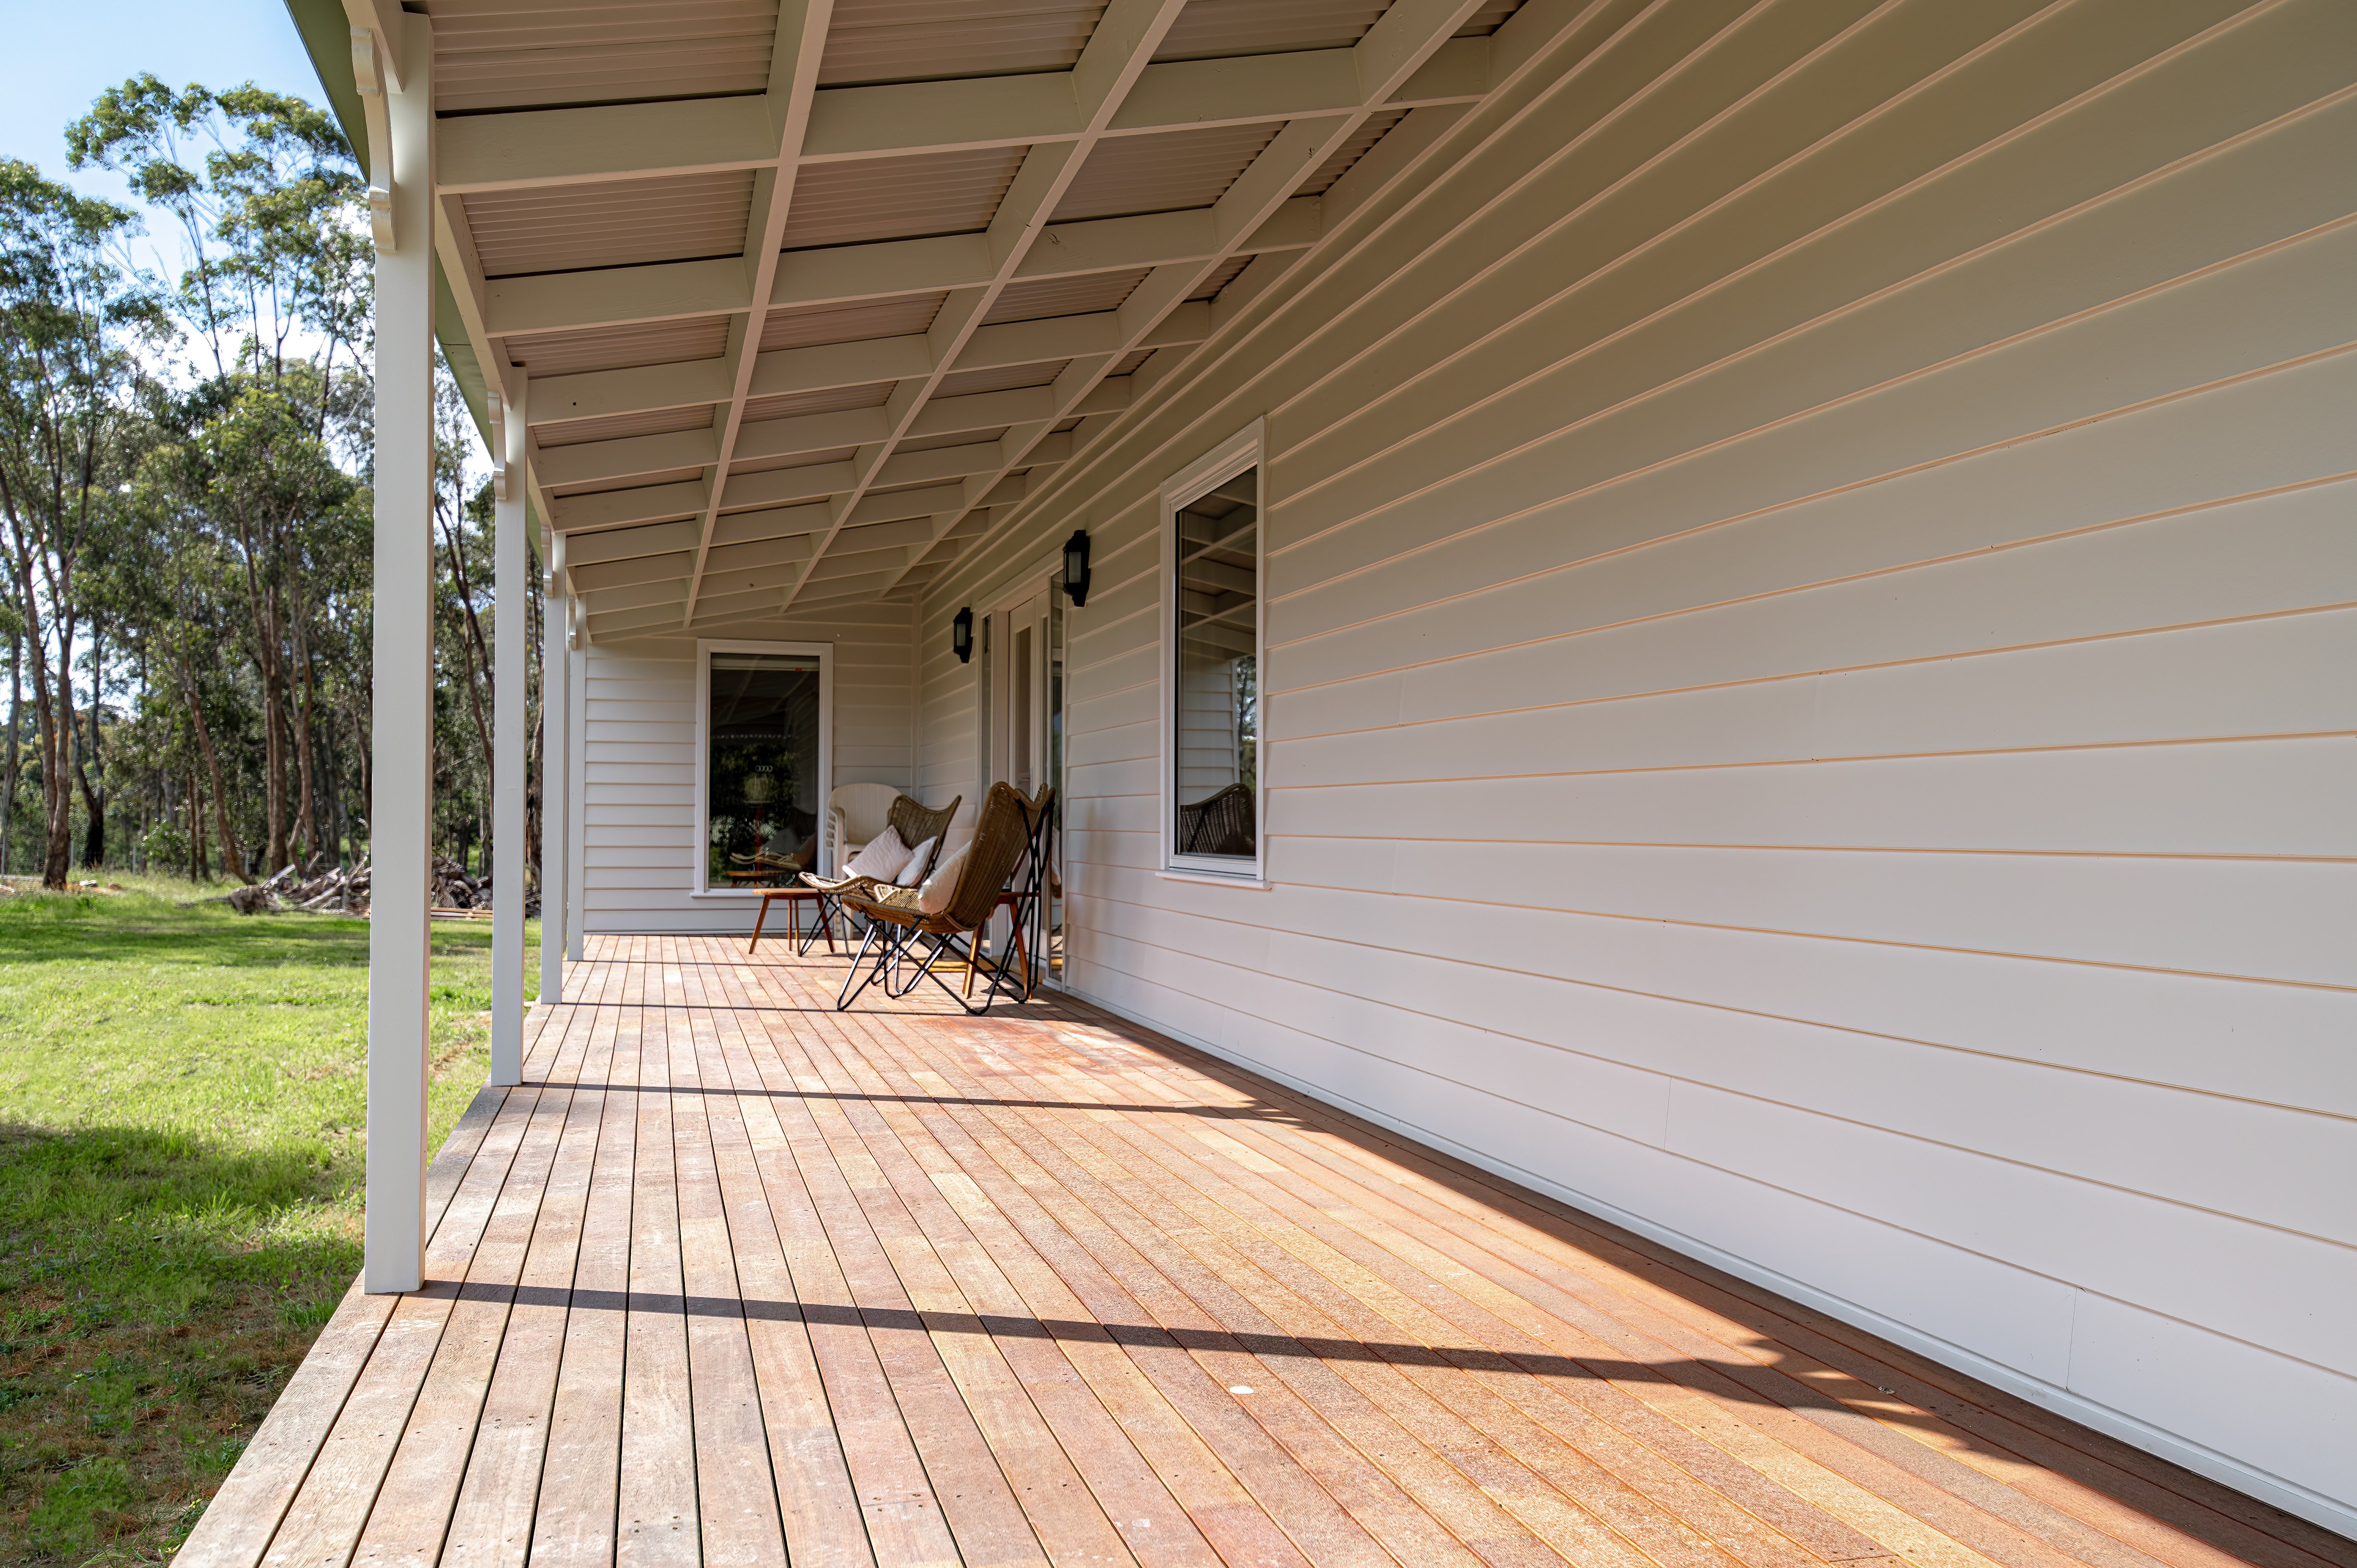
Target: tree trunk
233,857
308,814
56,800
93,798
9,767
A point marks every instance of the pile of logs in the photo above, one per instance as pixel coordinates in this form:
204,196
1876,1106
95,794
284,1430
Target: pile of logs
331,889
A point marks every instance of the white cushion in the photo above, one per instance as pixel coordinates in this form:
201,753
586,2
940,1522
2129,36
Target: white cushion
919,858
882,858
934,895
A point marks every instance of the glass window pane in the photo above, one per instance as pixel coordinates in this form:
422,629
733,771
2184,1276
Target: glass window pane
762,779
1218,688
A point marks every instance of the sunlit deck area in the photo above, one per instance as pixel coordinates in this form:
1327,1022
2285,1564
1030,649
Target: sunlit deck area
733,1278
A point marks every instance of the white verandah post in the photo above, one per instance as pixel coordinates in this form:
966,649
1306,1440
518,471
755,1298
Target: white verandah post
401,804
511,593
556,827
577,793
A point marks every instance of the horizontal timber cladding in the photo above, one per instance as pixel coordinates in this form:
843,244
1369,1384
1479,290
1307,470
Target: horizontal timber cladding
1810,700
639,838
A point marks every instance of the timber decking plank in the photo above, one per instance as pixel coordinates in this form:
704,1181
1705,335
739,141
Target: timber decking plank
1061,1437
899,1502
657,1522
573,1519
769,1286
818,1506
1360,1306
1329,1500
491,1526
1624,1483
243,1515
1213,1496
985,1516
324,1521
737,1493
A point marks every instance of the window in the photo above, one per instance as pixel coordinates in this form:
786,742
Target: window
762,759
1211,663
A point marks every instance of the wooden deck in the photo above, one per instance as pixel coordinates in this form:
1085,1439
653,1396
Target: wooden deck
736,1279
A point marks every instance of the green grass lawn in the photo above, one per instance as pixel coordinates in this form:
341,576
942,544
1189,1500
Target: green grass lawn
183,1098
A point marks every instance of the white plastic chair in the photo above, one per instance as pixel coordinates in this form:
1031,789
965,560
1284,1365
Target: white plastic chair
854,813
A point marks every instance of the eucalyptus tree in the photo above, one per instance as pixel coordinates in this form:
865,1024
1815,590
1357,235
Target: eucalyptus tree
71,320
269,441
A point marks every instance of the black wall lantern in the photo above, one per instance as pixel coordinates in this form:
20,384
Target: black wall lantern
961,635
1076,567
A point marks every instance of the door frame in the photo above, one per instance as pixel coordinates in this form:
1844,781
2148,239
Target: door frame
700,866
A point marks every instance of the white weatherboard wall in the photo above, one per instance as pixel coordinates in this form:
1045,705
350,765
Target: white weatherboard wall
1812,670
640,839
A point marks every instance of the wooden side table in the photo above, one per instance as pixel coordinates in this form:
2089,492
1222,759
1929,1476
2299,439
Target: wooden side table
790,898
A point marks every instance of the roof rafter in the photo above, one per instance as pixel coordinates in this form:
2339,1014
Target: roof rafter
1404,38
1116,54
793,81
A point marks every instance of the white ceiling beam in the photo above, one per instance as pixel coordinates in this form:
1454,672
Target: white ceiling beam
623,543
810,433
777,522
618,508
530,148
588,462
843,274
598,395
536,147
615,297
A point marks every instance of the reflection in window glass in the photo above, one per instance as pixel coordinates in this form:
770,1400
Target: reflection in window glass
1217,691
761,775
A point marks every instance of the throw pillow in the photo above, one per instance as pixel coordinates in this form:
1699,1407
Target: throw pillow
882,857
918,859
934,895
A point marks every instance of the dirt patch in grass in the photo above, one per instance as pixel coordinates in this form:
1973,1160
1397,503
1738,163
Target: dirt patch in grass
180,1162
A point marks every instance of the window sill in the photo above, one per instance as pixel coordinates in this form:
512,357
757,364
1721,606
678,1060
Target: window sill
1217,879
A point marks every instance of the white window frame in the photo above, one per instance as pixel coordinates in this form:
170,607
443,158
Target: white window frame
698,865
1224,462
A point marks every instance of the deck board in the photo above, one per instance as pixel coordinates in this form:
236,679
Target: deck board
736,1279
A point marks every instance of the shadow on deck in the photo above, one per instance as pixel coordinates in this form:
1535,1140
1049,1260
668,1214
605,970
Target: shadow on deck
735,1279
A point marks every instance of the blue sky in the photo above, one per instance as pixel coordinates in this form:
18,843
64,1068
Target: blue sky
62,53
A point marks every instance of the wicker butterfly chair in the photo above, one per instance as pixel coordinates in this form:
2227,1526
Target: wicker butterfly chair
915,824
1010,849
1219,823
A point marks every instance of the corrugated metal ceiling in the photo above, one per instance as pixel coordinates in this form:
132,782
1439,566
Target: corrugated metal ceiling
813,325
1163,173
574,227
511,54
898,198
1208,28
627,347
1221,276
831,399
1362,142
1004,378
638,481
1038,298
794,460
910,41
